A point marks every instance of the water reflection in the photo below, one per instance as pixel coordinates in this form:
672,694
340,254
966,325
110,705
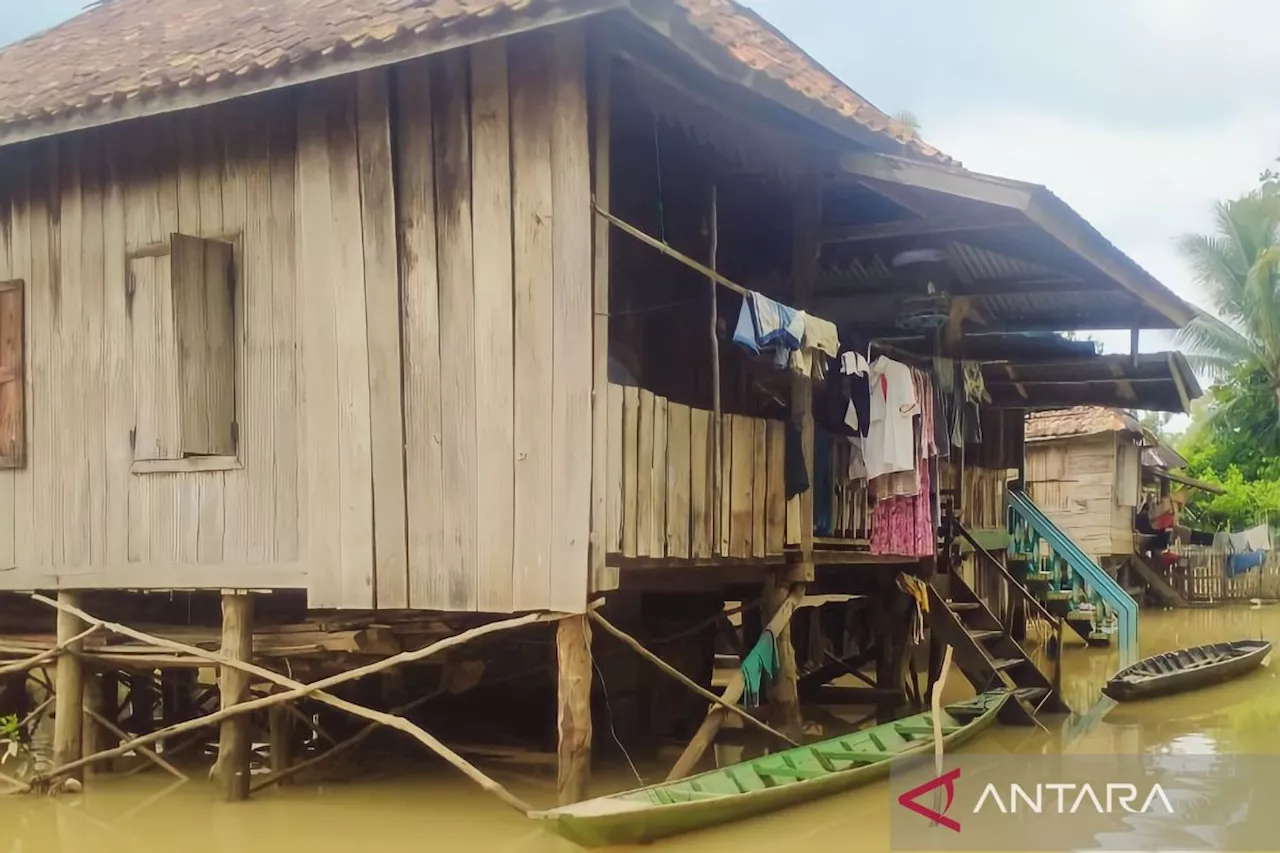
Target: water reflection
436,809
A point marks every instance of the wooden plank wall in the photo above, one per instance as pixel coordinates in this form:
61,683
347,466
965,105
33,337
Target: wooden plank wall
1074,481
415,428
659,491
71,210
493,195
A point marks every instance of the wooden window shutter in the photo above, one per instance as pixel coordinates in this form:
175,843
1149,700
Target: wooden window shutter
204,323
155,369
13,417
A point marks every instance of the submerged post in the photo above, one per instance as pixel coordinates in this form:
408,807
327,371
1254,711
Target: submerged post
232,768
573,717
68,717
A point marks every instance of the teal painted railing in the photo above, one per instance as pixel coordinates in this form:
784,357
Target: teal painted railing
1073,571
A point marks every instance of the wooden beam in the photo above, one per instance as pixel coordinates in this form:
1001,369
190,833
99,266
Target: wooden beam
573,717
1183,396
662,247
919,228
670,670
68,716
706,733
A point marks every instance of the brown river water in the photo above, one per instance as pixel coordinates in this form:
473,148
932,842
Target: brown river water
436,809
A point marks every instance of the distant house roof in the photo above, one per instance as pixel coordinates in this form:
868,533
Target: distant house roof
126,58
1080,421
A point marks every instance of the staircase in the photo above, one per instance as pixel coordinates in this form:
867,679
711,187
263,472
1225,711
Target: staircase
1155,581
984,644
1067,582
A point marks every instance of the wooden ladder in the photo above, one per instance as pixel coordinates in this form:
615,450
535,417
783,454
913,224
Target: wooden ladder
988,655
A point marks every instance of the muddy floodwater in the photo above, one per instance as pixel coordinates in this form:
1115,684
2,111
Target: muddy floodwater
436,809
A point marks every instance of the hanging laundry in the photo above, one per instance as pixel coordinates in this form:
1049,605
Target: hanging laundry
821,341
919,592
759,668
768,326
903,526
890,444
975,387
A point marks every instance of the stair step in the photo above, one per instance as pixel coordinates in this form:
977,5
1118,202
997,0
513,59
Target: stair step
963,605
982,636
1007,663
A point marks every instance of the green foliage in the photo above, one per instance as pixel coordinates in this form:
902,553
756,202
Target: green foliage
1234,442
1234,438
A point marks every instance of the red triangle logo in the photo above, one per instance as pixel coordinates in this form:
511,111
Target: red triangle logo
948,781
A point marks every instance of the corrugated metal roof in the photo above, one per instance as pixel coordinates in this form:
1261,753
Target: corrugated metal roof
123,51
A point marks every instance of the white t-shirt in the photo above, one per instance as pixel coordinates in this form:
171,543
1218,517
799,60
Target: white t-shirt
890,444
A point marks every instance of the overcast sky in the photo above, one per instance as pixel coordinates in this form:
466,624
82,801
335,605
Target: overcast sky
1139,113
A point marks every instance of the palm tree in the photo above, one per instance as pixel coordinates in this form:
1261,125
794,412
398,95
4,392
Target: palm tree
1238,268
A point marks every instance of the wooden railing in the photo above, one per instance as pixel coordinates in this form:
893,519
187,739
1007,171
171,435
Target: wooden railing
662,495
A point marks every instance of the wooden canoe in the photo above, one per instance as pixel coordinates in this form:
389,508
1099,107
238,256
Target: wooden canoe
768,783
1186,669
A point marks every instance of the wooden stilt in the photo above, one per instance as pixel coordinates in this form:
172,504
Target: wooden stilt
109,696
68,720
784,695
706,733
573,649
280,724
232,768
316,690
142,703
94,703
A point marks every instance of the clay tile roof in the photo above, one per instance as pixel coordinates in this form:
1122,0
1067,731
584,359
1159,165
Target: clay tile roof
121,50
1079,421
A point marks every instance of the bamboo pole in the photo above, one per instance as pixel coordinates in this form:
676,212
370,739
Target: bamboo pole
280,775
732,693
146,752
686,681
717,476
315,690
46,655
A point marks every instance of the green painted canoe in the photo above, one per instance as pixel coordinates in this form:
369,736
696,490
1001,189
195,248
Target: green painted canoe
768,783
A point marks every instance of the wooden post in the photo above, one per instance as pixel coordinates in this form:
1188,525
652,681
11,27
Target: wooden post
142,703
94,703
784,696
807,222
602,577
573,649
68,716
280,724
232,768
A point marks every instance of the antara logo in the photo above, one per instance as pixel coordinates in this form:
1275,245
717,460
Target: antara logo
1060,798
947,781
1078,796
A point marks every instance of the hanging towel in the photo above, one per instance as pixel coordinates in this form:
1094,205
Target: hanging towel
777,324
759,667
745,333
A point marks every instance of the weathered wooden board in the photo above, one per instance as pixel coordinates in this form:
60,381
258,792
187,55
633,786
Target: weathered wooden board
571,305
726,484
319,483
420,328
678,480
382,318
613,486
494,342
454,237
701,519
658,542
742,490
534,329
759,491
644,475
631,470
776,497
